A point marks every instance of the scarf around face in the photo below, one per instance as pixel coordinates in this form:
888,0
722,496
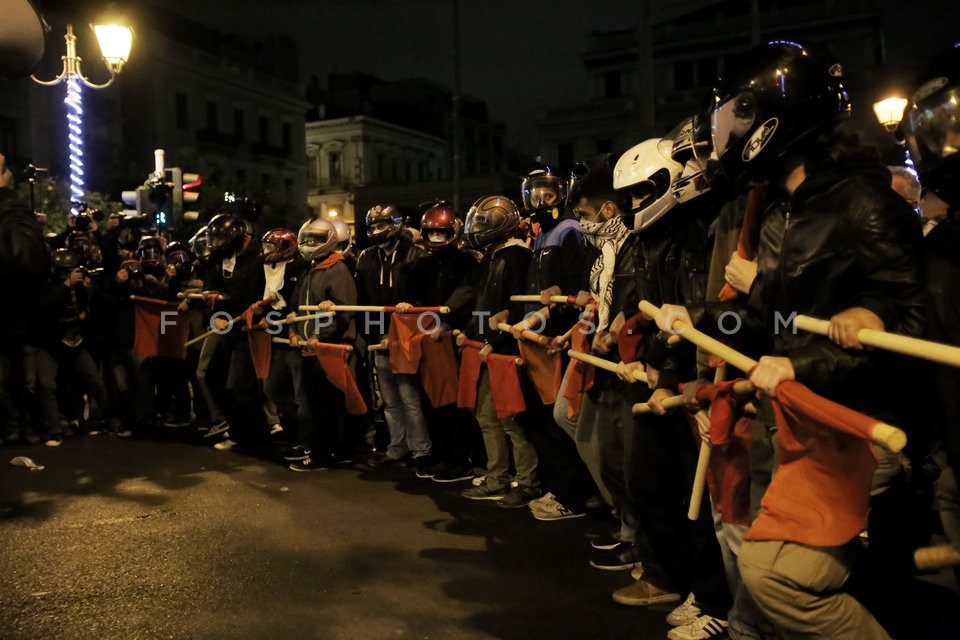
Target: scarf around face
607,236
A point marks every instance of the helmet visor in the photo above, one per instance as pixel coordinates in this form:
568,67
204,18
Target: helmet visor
732,120
935,129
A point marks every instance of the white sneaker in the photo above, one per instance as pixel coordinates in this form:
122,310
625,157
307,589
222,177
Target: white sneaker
478,480
685,613
226,445
543,501
703,628
556,511
275,429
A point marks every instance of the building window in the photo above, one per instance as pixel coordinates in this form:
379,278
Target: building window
336,170
238,122
264,131
287,137
604,146
683,75
612,84
181,109
211,116
565,155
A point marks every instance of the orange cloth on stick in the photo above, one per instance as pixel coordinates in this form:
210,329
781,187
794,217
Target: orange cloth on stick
160,329
333,360
261,349
439,370
543,370
730,434
405,337
469,375
749,234
630,343
505,385
579,374
821,490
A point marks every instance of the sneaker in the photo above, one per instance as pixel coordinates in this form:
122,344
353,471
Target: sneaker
217,429
484,492
607,542
702,628
54,441
621,558
478,480
593,503
381,459
225,445
685,613
310,464
518,497
123,433
556,511
296,452
543,502
96,430
31,438
453,474
176,422
423,466
11,438
643,594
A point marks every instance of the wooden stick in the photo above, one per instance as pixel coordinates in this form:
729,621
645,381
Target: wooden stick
378,347
606,365
280,340
540,316
561,341
360,308
882,434
936,557
923,349
200,295
200,338
526,335
741,388
553,299
703,461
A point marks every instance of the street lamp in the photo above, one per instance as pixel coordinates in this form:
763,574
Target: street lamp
890,112
115,42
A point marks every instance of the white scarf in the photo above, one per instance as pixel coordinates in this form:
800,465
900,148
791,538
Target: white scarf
608,236
273,275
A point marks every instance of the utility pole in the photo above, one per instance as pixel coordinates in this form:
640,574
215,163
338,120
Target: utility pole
455,115
646,100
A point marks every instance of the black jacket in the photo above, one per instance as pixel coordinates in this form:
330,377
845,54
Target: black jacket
501,275
560,258
336,285
24,266
447,278
384,280
243,286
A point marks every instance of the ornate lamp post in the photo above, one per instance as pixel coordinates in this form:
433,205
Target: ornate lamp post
115,42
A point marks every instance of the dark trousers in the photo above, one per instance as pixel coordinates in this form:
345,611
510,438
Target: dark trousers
660,458
454,433
281,385
244,409
320,409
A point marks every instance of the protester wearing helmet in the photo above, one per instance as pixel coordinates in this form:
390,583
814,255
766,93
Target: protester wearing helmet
320,405
834,242
150,252
384,278
491,225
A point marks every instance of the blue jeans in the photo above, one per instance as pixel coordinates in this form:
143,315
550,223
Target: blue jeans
402,411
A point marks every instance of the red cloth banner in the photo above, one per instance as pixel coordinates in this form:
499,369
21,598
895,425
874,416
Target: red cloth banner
730,434
579,374
543,369
505,385
261,350
749,234
630,343
469,375
404,337
160,329
821,490
439,370
333,360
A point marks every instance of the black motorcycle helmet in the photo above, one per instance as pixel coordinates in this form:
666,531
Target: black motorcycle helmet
178,254
544,194
775,99
85,248
225,235
384,223
64,262
932,126
150,254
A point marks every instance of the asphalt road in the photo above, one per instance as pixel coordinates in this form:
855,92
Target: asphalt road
145,539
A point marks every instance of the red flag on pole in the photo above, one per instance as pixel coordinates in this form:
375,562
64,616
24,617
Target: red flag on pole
469,375
333,360
261,349
505,385
579,374
821,490
439,370
404,337
160,329
543,369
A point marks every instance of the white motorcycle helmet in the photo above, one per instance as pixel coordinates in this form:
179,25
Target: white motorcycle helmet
644,177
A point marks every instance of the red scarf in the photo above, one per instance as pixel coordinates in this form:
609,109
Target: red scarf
329,261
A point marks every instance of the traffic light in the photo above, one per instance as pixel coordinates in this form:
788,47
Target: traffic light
139,198
183,185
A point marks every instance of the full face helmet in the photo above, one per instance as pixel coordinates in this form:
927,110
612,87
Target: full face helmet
150,252
86,249
344,235
225,235
776,99
178,254
440,227
932,126
384,223
317,239
544,192
278,245
490,220
644,177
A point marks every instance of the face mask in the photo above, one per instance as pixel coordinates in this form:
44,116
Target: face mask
596,232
